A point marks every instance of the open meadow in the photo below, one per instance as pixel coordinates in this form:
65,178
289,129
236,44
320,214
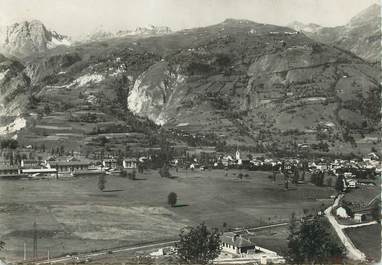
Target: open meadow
72,214
367,239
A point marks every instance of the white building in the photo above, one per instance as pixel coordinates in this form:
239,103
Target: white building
129,163
238,250
236,244
341,212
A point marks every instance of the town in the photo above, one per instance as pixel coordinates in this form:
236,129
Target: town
355,180
190,132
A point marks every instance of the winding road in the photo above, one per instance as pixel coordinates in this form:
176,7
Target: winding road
351,251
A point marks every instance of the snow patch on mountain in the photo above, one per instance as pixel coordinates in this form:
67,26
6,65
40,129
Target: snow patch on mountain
55,42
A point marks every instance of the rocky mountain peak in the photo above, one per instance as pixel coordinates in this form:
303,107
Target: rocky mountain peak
28,37
361,35
372,13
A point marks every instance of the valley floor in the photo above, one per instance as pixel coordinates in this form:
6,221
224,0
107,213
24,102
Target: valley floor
72,215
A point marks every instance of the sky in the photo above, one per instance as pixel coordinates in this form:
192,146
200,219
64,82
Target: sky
81,17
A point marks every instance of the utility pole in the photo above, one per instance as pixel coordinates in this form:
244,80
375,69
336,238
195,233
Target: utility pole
25,251
34,240
48,257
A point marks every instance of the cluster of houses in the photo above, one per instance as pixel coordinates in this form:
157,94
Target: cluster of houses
370,164
352,170
64,167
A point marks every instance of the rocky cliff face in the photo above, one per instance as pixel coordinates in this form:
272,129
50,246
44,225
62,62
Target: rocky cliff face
361,36
250,78
28,37
14,95
153,92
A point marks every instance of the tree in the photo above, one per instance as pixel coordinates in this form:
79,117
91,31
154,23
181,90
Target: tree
101,182
120,159
132,175
340,187
329,182
18,158
293,248
62,150
286,180
376,212
11,158
164,171
2,245
9,143
313,242
274,175
198,245
140,168
172,199
296,176
123,174
320,179
165,154
47,110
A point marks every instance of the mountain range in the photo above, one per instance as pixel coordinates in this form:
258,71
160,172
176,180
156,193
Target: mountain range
361,35
150,30
236,83
30,37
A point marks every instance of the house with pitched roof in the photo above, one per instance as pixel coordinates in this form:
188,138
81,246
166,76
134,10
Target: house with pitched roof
236,244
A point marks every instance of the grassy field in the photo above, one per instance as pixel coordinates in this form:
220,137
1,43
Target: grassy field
72,215
364,195
367,239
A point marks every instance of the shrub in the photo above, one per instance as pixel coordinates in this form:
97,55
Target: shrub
172,199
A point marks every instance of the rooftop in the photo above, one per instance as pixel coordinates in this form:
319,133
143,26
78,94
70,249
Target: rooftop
70,163
236,240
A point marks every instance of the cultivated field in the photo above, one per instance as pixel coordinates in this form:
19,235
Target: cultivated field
367,239
72,215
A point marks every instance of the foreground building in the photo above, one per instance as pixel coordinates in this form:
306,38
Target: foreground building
237,249
236,244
